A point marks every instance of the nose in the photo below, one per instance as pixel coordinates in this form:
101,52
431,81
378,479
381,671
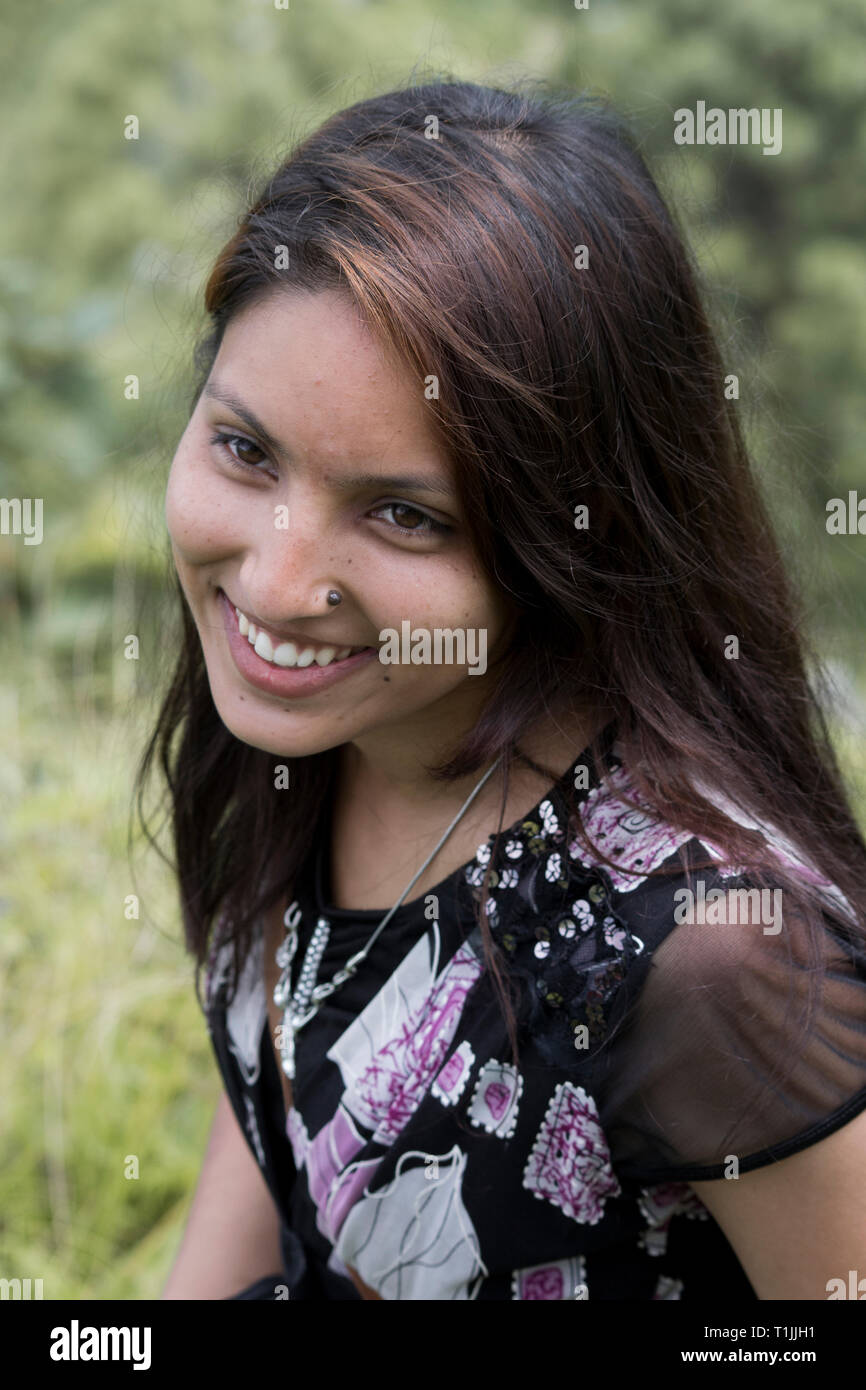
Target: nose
291,562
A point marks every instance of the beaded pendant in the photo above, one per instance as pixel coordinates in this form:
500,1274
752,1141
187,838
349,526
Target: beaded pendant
295,1005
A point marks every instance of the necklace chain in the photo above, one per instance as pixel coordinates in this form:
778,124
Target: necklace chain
304,1003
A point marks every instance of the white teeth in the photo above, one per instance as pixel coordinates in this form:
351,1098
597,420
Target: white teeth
287,653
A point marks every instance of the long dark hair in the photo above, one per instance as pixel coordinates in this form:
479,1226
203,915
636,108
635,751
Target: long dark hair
455,214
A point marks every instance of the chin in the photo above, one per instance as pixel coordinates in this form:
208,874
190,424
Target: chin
279,743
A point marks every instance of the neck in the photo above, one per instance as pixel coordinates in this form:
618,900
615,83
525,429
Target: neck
390,783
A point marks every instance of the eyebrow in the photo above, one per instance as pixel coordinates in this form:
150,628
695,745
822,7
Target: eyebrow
404,482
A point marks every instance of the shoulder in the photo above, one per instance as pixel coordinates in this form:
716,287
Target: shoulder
742,1039
724,1020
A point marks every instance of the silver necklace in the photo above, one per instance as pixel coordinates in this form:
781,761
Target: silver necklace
304,1003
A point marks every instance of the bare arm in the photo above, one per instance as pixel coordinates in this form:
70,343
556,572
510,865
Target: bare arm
232,1233
818,1254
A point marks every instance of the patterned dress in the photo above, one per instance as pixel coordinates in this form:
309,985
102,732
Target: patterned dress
657,1045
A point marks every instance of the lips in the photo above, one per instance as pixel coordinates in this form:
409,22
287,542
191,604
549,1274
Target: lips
293,649
286,680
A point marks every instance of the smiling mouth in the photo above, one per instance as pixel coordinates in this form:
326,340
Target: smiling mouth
286,654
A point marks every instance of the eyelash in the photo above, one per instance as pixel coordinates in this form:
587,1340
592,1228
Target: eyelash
433,527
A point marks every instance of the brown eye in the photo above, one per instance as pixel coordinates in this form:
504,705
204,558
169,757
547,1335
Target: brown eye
400,509
247,445
425,525
229,442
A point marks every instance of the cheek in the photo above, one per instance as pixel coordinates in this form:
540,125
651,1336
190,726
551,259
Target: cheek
429,595
445,595
179,513
460,597
197,522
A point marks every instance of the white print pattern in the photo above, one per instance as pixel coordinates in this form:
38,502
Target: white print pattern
658,1205
298,1137
583,913
668,1290
558,1279
247,1014
570,1160
553,868
451,1081
634,840
388,1058
414,1239
496,1098
337,1266
389,1055
253,1131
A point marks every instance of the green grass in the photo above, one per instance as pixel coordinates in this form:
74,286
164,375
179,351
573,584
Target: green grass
106,1051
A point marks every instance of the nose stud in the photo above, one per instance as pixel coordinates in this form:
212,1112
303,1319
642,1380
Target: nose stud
334,597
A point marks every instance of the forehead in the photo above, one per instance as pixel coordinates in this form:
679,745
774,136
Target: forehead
310,369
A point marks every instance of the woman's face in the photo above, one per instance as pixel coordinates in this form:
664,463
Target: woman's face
267,517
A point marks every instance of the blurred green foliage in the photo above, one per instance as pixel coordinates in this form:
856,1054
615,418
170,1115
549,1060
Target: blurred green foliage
106,243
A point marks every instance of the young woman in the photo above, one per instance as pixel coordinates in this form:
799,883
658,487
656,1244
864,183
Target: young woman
536,965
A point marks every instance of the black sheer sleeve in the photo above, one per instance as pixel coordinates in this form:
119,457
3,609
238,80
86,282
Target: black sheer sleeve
746,1039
